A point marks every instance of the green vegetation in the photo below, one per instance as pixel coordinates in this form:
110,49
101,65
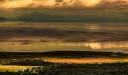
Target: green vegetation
76,69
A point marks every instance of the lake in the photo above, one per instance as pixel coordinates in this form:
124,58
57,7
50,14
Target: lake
51,36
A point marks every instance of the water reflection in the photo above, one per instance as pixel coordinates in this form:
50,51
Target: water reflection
106,27
46,46
86,60
107,45
62,36
97,45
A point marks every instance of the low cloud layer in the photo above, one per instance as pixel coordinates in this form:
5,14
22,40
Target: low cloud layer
61,3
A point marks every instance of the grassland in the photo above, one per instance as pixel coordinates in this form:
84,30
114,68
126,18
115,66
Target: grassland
14,68
86,69
76,69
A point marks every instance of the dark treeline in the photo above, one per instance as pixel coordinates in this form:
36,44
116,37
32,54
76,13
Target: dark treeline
61,54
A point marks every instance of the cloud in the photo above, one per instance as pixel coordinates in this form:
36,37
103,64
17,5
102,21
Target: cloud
61,3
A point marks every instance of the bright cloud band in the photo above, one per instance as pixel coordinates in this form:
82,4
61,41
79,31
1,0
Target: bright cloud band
58,3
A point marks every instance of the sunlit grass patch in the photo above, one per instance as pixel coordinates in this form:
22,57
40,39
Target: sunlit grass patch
14,68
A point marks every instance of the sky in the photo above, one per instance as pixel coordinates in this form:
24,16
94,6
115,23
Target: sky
61,3
116,10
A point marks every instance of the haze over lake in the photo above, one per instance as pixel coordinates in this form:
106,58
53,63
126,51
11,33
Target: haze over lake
52,36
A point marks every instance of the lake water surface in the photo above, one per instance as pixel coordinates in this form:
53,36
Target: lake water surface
51,36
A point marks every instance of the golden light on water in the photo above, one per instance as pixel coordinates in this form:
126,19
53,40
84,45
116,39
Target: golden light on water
85,60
